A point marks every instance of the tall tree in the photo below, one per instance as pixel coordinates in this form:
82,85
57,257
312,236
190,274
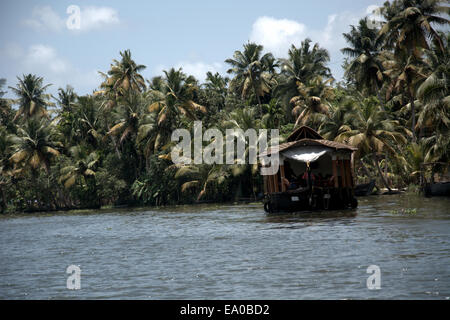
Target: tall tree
273,114
411,22
35,144
82,168
83,124
5,107
301,66
252,71
313,99
32,99
5,167
434,92
365,66
373,133
66,98
406,74
173,97
216,88
128,114
339,118
124,75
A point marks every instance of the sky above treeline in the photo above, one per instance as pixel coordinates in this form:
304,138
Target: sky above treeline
194,35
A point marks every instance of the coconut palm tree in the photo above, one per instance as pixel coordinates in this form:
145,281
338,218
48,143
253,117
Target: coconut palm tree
415,155
373,133
216,88
312,100
241,120
339,118
253,71
4,181
434,92
2,83
438,147
273,114
32,99
412,22
34,146
201,177
366,67
84,166
66,99
301,66
216,82
306,62
83,123
129,112
146,136
5,168
82,169
124,75
4,105
405,74
173,98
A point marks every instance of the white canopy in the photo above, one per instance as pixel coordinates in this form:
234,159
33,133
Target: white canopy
306,153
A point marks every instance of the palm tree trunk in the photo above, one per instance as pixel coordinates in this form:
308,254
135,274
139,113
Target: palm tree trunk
96,198
413,118
115,147
34,181
112,138
259,103
379,96
375,160
367,173
257,98
421,133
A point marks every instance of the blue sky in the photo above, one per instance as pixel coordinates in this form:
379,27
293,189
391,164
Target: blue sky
195,35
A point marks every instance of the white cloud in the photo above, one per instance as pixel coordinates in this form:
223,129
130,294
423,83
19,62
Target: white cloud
331,36
41,57
277,35
197,69
98,17
45,61
44,18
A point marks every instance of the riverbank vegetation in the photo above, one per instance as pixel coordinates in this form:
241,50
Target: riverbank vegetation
112,147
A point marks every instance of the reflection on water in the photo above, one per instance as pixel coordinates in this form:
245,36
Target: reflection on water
230,252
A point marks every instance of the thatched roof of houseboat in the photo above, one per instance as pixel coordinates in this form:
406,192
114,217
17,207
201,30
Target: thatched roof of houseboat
312,139
303,132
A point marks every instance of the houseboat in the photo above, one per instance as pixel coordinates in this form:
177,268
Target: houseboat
314,174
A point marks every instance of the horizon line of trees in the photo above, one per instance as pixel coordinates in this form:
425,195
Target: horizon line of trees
113,146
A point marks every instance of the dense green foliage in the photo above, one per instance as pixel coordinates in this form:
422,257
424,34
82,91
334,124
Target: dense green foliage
113,146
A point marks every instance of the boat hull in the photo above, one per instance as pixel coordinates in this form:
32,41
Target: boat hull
286,202
364,189
440,189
